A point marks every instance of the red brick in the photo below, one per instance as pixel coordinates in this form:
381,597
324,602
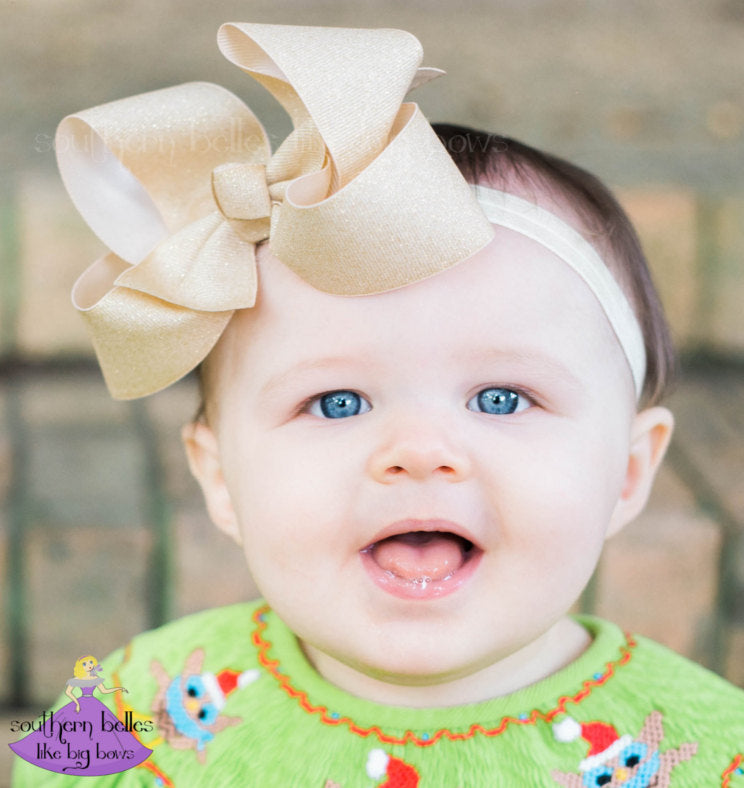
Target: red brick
87,594
665,218
658,576
211,568
727,325
55,248
735,661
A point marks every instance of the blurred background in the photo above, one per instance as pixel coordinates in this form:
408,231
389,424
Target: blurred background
102,532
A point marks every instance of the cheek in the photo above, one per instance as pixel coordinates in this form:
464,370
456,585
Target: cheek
287,494
561,490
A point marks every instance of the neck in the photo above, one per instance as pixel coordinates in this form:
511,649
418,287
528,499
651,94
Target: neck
563,643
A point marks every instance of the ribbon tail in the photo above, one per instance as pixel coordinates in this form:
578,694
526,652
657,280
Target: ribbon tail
143,343
206,266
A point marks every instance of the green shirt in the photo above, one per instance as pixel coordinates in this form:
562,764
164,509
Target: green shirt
227,698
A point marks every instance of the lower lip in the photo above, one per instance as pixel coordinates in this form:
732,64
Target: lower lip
419,589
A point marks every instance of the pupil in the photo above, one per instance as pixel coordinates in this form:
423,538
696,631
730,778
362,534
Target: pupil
202,714
340,404
632,761
191,692
604,779
498,401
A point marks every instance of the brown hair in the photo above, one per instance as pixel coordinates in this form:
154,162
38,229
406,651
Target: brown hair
497,160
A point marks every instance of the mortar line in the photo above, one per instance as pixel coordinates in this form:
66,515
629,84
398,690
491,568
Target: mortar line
10,273
707,259
159,585
709,502
16,596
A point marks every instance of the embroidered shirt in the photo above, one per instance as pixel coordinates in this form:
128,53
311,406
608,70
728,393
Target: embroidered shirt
234,702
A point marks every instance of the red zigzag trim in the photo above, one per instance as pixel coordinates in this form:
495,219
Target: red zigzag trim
733,766
285,682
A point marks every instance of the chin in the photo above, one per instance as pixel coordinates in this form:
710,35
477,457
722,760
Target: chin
414,662
418,676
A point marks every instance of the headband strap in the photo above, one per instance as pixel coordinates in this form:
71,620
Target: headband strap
547,229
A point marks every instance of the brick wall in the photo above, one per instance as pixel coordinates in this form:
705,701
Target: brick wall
649,97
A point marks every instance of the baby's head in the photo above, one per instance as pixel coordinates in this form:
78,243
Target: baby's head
422,480
420,437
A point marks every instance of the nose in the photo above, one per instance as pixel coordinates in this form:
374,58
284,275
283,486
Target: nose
419,451
621,775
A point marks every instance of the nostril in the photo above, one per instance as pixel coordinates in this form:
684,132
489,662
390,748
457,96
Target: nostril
395,469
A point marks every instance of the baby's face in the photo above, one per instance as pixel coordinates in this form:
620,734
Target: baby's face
423,480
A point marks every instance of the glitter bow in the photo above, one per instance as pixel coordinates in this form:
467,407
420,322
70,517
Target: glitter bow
181,184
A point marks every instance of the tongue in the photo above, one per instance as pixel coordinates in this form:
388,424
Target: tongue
419,555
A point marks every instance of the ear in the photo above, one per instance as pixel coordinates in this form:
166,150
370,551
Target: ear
649,437
202,452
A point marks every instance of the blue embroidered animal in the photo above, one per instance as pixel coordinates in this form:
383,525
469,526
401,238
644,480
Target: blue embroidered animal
615,761
187,707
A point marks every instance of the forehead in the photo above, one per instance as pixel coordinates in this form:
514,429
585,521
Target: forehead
513,297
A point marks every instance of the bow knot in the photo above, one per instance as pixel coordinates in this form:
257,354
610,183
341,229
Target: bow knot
243,196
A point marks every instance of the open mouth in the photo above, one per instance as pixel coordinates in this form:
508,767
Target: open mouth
421,564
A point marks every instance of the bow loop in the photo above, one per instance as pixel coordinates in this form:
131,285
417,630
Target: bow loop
382,161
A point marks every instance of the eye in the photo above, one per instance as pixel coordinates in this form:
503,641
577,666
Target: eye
193,689
498,401
207,713
338,405
597,777
633,754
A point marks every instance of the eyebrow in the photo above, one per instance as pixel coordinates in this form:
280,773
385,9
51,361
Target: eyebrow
524,357
328,363
528,357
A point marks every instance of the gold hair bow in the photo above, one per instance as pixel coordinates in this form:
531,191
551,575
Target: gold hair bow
181,184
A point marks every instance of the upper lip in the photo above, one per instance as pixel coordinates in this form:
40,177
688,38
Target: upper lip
429,525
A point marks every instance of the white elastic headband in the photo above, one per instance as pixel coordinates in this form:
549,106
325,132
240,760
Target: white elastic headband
544,227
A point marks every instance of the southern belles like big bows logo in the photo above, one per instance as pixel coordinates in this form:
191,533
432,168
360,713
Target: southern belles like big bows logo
84,737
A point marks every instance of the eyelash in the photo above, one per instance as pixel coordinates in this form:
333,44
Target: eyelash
318,406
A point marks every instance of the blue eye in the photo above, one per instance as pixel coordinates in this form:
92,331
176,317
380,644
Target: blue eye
633,754
498,401
194,687
597,777
207,714
339,405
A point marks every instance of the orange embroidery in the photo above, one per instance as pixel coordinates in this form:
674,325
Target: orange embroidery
285,682
734,766
165,781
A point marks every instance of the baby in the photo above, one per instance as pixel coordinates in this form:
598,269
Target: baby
422,476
